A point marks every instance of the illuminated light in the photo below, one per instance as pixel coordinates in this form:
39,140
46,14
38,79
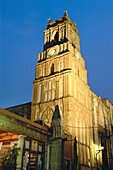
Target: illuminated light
77,56
102,148
96,147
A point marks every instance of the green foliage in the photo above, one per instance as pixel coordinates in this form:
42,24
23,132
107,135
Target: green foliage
8,161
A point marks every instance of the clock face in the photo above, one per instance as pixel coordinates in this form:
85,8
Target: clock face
52,52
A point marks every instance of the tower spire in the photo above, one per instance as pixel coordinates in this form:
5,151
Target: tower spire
49,20
65,13
75,23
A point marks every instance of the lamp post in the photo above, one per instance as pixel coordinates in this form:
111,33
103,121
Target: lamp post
98,151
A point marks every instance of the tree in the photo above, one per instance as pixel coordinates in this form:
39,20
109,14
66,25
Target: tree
8,161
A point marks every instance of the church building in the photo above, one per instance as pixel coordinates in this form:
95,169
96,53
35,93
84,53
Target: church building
61,79
66,126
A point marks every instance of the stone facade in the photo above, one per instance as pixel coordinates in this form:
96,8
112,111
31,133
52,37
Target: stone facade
61,79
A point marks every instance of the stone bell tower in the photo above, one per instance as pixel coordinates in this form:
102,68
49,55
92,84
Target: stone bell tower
61,80
59,32
61,77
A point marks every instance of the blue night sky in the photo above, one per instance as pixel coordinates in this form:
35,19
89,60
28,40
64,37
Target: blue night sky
21,39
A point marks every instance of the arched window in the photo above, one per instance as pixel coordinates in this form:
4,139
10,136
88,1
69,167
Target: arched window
52,68
46,92
61,87
56,38
39,94
62,34
53,94
47,116
47,38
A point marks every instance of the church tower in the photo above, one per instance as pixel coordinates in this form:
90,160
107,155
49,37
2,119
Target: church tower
61,79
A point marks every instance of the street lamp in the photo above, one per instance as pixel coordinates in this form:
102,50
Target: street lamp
98,151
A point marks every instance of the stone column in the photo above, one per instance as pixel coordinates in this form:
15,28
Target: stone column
20,152
56,151
56,142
